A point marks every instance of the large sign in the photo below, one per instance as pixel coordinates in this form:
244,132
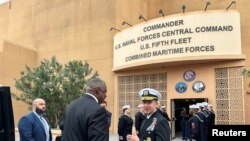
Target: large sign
178,36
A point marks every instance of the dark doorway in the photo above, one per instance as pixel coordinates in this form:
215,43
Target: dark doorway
179,104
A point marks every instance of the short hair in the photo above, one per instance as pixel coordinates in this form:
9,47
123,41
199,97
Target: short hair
36,100
94,83
123,110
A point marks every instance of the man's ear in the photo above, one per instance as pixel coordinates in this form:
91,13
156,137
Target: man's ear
157,103
96,90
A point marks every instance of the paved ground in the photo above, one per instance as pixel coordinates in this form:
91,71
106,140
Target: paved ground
112,137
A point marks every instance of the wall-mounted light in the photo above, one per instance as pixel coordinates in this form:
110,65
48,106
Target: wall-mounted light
208,3
183,8
141,17
123,23
233,2
112,28
10,4
161,12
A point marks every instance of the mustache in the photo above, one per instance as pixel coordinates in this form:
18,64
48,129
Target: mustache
40,111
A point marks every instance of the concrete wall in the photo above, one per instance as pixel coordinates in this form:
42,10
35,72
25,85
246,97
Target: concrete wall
13,59
79,29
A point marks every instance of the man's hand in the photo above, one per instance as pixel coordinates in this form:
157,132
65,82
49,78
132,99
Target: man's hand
133,137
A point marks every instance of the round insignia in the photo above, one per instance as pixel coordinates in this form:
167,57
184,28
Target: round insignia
145,92
198,86
189,75
181,87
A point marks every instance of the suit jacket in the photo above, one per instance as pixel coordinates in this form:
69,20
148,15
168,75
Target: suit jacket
31,128
164,114
109,115
156,128
139,117
84,120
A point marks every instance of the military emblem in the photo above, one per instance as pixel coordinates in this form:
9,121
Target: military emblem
198,86
181,87
189,75
152,126
146,92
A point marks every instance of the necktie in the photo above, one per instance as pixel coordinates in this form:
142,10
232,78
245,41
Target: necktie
46,127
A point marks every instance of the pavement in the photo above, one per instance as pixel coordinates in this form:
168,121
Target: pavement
112,137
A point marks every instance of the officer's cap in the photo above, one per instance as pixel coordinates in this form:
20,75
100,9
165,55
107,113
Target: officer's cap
205,104
149,94
194,106
125,106
200,104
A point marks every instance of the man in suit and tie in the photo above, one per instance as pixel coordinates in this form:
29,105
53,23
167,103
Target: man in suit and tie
85,118
34,127
154,127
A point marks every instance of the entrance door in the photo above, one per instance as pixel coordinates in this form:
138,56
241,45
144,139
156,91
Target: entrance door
176,107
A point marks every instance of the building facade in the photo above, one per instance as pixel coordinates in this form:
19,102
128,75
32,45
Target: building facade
80,29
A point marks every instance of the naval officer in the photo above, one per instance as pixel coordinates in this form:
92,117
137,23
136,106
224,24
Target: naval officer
154,127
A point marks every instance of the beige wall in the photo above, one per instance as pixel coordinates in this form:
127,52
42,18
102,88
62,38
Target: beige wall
79,29
13,59
68,29
205,73
130,11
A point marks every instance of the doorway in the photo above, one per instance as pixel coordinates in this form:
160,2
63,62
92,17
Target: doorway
176,108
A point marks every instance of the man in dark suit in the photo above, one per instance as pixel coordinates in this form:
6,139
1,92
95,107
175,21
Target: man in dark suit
34,127
84,119
139,117
108,113
154,127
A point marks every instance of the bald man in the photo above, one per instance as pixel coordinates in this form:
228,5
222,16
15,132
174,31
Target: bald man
34,127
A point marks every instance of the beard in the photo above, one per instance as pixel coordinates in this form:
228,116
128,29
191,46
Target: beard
40,111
